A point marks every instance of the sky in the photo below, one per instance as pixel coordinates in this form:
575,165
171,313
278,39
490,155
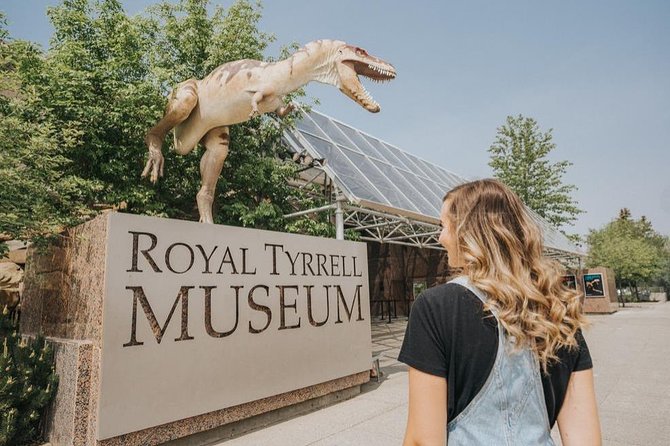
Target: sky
596,72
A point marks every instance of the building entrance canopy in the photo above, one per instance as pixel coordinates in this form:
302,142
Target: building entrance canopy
382,192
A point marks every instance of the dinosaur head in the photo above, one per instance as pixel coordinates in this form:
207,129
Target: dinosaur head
336,63
350,62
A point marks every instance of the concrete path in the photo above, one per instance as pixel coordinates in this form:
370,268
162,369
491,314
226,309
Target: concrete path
631,353
631,356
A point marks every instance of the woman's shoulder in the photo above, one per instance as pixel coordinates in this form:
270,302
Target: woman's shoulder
447,290
448,295
455,306
574,359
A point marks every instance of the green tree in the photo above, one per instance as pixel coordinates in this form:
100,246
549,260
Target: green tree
187,43
39,195
92,96
663,279
28,383
631,248
519,159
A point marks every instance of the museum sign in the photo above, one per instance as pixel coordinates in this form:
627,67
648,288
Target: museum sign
199,318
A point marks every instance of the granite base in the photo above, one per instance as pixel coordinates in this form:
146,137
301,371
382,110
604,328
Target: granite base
606,304
201,423
72,416
63,300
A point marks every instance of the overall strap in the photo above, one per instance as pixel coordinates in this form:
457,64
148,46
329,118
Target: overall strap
481,295
515,380
465,281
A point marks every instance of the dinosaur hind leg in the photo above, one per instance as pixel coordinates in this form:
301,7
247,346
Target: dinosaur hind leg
216,141
182,101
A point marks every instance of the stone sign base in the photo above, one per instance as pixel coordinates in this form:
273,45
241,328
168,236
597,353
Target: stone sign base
607,302
73,413
65,300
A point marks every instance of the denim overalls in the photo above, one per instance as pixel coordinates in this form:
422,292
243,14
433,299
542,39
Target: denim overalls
510,408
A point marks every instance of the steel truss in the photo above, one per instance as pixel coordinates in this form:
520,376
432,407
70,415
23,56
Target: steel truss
385,227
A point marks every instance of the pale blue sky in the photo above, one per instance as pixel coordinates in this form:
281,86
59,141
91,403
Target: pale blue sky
597,72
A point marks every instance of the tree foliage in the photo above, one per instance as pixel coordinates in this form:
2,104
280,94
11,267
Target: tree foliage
39,193
72,135
632,248
519,159
28,383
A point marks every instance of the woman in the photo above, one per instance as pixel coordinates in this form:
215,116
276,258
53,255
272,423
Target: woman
496,355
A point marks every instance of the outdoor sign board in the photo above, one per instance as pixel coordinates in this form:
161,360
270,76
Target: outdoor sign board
594,285
570,281
202,317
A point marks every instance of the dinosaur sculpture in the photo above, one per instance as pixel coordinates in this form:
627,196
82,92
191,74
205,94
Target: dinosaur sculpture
203,110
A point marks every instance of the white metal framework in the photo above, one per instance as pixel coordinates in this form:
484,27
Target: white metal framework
383,193
388,228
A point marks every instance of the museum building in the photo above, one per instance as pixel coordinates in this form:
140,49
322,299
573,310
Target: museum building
392,200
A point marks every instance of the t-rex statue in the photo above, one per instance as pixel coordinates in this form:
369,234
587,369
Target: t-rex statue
203,110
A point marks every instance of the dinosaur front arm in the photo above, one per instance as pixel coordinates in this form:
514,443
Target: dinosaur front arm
255,99
263,100
285,110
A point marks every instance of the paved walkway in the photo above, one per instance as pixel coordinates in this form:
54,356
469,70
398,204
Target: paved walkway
631,353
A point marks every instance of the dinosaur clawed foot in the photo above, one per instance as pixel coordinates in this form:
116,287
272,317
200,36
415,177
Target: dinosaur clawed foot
254,113
156,161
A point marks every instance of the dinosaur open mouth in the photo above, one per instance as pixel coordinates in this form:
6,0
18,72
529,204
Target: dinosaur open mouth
376,72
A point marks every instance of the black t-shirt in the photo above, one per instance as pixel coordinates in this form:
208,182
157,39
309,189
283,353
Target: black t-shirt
450,335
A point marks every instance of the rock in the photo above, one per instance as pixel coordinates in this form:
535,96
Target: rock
11,276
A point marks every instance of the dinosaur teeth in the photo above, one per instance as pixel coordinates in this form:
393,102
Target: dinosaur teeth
381,70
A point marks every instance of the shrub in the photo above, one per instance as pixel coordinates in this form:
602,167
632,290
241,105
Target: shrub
28,383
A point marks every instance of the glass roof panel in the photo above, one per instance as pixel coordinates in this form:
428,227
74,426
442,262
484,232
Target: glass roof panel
435,173
405,160
440,188
384,184
433,192
387,155
427,199
333,131
306,124
366,168
418,203
455,179
294,141
350,178
360,142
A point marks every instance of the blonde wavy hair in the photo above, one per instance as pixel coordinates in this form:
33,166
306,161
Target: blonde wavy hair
501,249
